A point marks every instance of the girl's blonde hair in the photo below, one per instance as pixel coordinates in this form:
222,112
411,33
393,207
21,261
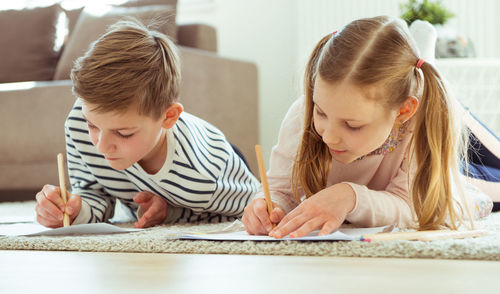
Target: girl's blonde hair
130,65
380,52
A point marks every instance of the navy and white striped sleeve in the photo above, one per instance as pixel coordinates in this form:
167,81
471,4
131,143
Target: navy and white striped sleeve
97,206
215,182
187,215
235,187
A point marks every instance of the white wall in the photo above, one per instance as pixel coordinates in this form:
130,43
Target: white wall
278,35
475,19
262,32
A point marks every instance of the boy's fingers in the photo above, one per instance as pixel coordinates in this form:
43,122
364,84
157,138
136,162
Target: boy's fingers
47,208
49,214
49,223
149,213
139,223
74,205
147,218
142,197
54,196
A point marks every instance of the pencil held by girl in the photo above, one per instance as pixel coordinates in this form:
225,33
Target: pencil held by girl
374,141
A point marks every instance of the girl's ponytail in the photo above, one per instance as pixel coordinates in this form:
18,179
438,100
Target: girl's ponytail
435,145
313,157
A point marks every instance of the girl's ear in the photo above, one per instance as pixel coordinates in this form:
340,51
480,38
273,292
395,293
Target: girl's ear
171,115
408,109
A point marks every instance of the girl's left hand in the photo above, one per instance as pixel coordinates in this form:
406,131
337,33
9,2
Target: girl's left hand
325,210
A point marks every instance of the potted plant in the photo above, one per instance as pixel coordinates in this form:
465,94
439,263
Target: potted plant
431,11
448,43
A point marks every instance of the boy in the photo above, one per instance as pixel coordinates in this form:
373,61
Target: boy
128,139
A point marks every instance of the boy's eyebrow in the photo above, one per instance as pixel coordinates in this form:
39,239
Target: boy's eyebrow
118,129
345,119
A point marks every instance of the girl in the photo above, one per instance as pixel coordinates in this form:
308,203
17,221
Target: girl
373,142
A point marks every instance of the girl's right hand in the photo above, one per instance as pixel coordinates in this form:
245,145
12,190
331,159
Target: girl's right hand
257,220
50,207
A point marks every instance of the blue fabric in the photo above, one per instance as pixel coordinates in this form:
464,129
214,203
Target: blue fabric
483,164
483,172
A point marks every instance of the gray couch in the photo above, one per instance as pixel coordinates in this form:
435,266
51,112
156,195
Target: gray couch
33,109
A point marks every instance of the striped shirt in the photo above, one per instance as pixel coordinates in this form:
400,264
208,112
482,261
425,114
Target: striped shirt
202,179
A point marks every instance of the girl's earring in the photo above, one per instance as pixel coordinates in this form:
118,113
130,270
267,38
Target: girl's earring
397,125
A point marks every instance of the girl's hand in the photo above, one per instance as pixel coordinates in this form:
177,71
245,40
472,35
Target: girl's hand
50,207
154,209
325,210
257,220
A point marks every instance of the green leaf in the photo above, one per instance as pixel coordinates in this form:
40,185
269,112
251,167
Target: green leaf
431,11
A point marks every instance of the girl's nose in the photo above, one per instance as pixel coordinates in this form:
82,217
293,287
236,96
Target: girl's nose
331,137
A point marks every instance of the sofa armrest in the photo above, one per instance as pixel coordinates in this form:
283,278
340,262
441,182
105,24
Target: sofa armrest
32,116
224,92
198,36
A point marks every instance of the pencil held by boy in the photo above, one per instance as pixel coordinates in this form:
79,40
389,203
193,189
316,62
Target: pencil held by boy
374,141
129,140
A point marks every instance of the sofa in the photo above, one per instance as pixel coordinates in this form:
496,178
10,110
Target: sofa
36,96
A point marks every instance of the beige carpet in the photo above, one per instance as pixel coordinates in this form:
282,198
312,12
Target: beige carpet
157,240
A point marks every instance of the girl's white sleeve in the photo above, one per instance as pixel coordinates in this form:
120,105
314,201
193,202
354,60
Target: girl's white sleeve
282,157
379,208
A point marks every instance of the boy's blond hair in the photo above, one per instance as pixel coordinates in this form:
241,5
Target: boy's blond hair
130,65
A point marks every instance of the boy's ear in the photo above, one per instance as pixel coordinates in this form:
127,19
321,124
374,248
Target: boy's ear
408,109
171,115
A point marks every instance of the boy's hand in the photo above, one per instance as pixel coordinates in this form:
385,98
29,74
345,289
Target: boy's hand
325,210
256,219
154,209
50,206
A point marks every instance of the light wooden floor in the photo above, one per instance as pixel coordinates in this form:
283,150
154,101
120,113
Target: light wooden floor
81,272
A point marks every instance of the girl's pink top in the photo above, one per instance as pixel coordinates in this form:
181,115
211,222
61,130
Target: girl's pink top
380,180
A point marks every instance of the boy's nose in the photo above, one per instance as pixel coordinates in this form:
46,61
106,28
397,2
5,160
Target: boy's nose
104,144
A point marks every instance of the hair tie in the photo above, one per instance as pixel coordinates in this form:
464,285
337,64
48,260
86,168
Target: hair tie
334,32
420,62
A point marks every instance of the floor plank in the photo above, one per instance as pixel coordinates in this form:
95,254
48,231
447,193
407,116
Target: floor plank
86,272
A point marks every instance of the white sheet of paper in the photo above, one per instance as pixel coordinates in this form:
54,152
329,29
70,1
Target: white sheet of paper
12,219
34,229
344,234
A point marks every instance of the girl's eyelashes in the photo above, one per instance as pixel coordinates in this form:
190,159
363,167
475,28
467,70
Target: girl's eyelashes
319,112
322,114
351,127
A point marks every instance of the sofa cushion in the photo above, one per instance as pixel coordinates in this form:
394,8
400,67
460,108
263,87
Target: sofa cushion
93,22
72,15
28,44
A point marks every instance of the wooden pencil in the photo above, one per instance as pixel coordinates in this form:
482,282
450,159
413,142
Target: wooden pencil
62,185
263,178
423,235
